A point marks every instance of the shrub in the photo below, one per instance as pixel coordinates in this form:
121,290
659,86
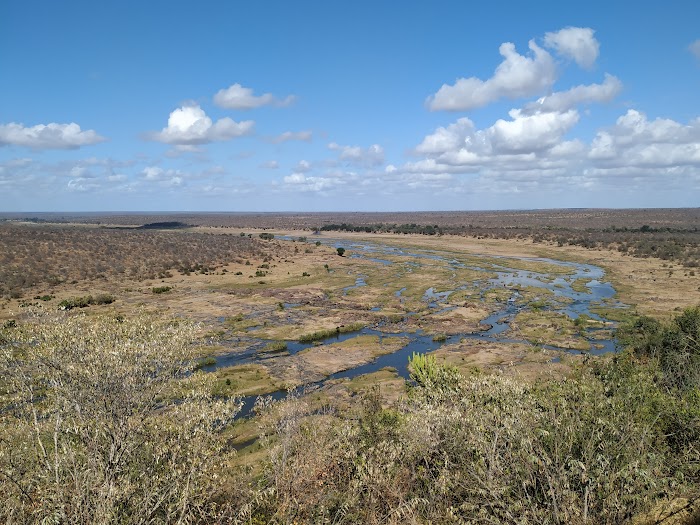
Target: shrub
161,289
75,302
325,334
590,448
275,346
103,299
341,251
88,431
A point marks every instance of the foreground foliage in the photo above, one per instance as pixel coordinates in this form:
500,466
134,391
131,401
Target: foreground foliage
103,421
86,429
603,446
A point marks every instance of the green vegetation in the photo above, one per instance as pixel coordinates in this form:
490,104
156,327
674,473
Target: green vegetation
603,445
341,251
161,289
275,346
325,334
615,438
266,236
84,302
673,347
206,361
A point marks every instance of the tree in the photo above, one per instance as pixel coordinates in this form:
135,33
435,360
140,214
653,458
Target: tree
341,251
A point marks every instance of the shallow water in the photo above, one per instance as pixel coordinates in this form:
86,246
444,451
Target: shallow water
566,300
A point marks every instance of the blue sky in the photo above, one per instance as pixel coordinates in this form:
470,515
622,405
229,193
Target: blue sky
367,106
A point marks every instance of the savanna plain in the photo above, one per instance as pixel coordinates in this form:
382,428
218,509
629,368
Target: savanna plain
447,367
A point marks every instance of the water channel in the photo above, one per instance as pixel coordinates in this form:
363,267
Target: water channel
573,303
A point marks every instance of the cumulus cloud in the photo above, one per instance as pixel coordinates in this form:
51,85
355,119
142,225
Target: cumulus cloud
635,141
530,133
530,154
190,125
372,156
239,97
517,76
565,100
47,136
304,136
462,143
694,48
577,43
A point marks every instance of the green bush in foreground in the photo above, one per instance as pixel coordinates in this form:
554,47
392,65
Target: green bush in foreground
87,433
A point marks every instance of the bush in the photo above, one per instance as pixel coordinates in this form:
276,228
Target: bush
325,334
88,431
675,346
341,251
603,445
161,289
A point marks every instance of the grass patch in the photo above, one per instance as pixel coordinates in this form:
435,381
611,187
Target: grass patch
207,361
275,346
244,380
621,315
325,334
579,285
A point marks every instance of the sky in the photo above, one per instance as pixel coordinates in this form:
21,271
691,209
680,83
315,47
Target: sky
348,106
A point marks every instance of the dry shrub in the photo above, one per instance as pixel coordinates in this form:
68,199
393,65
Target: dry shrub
104,421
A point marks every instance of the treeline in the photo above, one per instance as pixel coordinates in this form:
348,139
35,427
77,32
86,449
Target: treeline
680,245
384,228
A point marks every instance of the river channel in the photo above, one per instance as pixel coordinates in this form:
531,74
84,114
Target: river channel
497,274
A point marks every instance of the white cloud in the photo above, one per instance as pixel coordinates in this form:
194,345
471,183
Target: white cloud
517,76
462,143
530,133
694,48
164,178
565,100
270,165
190,125
635,141
577,43
304,136
239,97
446,139
301,182
303,166
372,156
47,136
